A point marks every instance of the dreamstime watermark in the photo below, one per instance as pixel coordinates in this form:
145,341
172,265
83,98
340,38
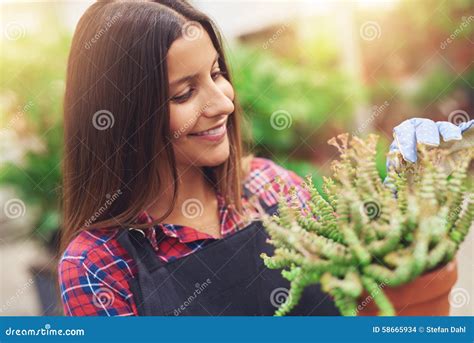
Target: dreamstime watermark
103,297
454,214
192,30
370,30
274,37
192,208
459,297
108,24
18,114
369,298
376,111
103,120
14,208
466,21
14,31
199,289
46,331
103,208
19,292
279,296
281,120
190,122
371,209
458,117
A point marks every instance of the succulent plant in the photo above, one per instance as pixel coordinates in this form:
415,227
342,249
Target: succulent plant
365,232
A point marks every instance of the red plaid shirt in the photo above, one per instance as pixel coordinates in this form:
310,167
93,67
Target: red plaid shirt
95,269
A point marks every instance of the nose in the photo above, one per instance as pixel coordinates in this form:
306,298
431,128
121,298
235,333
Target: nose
219,100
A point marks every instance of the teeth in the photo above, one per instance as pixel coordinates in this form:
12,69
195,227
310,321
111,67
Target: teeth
212,132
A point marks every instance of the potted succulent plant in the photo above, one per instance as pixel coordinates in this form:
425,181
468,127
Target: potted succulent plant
376,247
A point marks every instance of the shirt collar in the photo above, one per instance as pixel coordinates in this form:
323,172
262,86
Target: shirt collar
184,234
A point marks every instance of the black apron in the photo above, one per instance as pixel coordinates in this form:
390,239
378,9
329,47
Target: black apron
225,277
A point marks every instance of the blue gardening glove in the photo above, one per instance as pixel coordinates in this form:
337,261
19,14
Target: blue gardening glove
422,130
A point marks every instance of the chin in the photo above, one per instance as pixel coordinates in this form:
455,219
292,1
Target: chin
216,158
214,161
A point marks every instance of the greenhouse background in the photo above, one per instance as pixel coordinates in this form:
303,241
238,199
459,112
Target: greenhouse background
304,71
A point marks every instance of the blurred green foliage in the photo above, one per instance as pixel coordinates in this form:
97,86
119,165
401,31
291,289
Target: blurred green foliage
31,104
437,84
266,84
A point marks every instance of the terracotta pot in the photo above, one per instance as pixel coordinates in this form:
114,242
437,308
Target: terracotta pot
427,295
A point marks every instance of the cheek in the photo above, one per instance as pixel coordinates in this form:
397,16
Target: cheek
182,119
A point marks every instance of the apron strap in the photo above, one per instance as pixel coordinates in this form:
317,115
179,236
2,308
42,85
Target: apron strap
140,248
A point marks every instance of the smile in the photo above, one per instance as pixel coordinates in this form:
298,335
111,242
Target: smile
215,134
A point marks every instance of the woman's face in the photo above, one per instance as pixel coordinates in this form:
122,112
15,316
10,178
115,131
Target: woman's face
201,100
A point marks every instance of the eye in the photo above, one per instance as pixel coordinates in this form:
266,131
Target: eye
218,73
184,97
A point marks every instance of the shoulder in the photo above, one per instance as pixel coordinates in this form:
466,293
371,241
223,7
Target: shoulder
92,243
93,260
97,250
262,176
265,170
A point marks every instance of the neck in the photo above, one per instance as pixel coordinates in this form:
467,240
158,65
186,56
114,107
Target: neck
192,184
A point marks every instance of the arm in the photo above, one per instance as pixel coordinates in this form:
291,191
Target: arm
85,292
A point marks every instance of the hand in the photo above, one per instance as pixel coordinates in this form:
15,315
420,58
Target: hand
425,131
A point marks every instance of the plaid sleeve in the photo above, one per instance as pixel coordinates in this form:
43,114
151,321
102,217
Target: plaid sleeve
264,172
89,288
291,179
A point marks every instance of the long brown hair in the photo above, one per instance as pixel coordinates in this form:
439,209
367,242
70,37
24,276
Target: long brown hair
116,115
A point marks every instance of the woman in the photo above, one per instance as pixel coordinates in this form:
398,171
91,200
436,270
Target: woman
157,187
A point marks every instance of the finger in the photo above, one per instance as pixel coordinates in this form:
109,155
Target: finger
449,131
392,160
427,132
467,125
388,182
392,163
405,138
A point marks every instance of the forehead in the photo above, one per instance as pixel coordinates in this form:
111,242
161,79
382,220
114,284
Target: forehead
190,56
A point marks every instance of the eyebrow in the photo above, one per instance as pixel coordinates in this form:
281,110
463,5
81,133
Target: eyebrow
190,77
